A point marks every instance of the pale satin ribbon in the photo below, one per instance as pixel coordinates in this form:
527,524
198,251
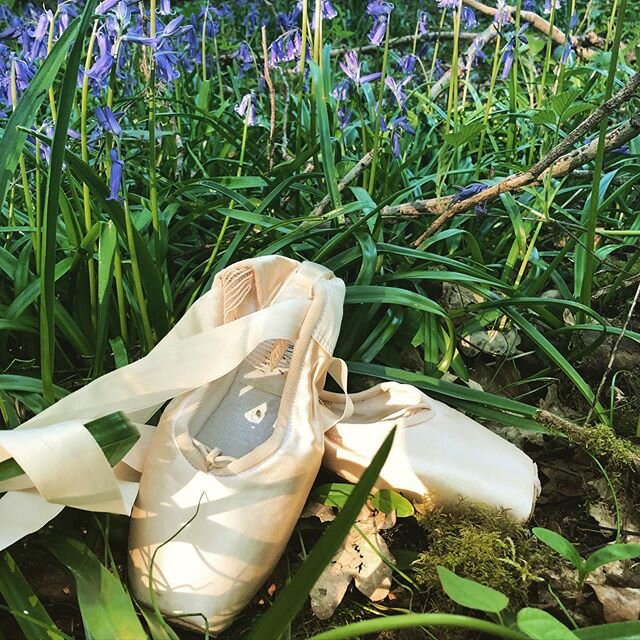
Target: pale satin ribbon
62,462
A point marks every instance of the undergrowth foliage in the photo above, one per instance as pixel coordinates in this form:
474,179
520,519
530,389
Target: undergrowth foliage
147,146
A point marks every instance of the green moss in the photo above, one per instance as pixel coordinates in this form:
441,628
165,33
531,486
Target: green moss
599,440
482,545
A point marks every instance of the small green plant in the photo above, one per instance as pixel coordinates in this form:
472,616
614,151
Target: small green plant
584,566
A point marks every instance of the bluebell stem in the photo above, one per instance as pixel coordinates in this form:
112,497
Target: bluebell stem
351,68
115,178
246,109
107,120
467,192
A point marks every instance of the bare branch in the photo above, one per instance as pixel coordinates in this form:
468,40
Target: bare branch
449,206
351,176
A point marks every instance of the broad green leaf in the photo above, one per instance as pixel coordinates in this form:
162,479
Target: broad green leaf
292,597
471,594
613,631
387,500
31,616
611,553
540,625
334,494
106,608
559,544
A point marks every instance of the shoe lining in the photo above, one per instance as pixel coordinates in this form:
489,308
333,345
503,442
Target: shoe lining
244,417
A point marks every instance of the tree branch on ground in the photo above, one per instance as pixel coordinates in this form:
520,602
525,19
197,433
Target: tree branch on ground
450,206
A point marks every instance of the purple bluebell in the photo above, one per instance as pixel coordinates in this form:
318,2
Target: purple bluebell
380,11
344,116
468,192
502,13
397,89
351,68
328,12
510,49
529,5
479,56
573,21
408,63
252,19
246,109
244,56
468,17
39,37
423,22
549,5
165,8
448,4
340,92
106,5
397,126
99,72
285,48
115,178
107,121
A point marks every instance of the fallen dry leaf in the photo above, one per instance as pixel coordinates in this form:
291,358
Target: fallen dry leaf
492,341
321,511
356,560
619,604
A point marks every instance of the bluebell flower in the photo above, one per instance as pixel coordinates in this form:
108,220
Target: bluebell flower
573,21
468,17
246,109
423,22
105,6
408,63
328,12
344,116
107,121
165,8
340,92
448,4
509,50
252,19
100,70
502,13
529,5
286,48
467,192
115,178
397,126
397,89
244,56
351,68
40,36
380,10
550,4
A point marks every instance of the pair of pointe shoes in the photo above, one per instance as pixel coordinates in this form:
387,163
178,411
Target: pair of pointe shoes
231,463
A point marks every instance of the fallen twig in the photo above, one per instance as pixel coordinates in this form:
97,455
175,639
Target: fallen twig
449,206
351,176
